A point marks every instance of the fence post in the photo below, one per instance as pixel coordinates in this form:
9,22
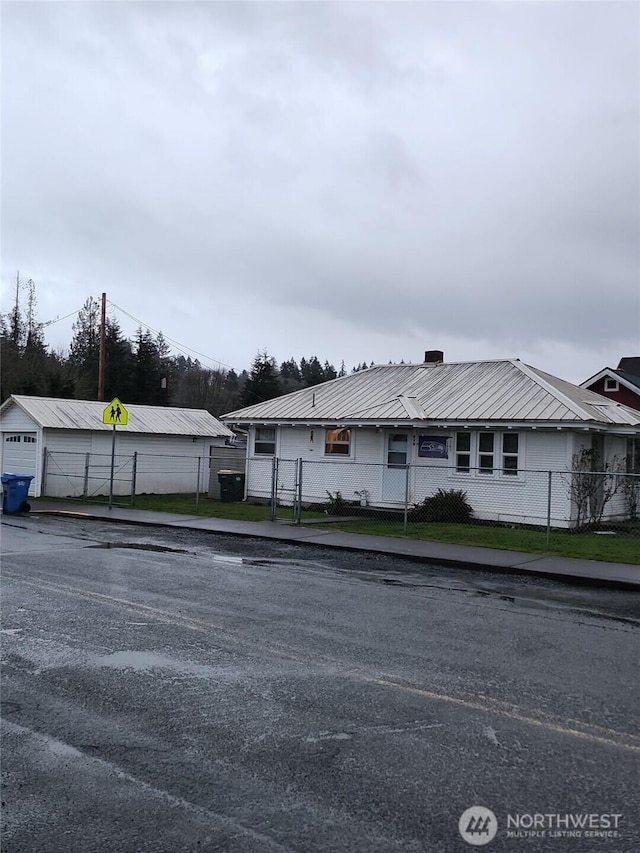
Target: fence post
134,471
406,499
198,484
43,486
85,490
549,512
298,515
274,487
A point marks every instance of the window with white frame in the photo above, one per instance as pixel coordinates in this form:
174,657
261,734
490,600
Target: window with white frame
487,452
486,442
397,450
29,439
611,385
337,441
463,452
510,447
265,441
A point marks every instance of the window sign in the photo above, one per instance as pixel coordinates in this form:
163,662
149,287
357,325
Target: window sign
433,447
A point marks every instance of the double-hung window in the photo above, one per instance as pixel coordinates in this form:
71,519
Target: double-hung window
510,453
486,442
463,452
337,441
487,452
265,441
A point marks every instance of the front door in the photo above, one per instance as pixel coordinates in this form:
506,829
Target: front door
396,459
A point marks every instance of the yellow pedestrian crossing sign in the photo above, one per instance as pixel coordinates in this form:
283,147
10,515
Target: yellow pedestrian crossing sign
115,414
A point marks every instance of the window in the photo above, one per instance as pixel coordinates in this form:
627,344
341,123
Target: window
510,453
485,452
463,452
488,452
29,439
13,438
633,455
265,441
611,385
397,450
337,441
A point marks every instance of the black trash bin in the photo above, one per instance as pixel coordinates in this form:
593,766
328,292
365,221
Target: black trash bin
15,490
231,486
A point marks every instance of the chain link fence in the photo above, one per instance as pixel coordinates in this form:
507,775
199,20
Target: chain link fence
310,491
540,499
101,477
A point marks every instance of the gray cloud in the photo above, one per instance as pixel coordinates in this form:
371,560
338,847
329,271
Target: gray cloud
362,180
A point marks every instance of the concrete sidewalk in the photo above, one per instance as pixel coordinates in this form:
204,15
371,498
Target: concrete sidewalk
465,556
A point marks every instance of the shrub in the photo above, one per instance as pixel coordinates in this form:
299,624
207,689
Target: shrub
450,506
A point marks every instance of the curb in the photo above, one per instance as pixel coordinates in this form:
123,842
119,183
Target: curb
562,577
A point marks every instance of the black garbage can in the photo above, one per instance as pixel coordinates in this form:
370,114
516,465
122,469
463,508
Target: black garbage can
231,486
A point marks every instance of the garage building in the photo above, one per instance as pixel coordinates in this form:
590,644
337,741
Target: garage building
61,442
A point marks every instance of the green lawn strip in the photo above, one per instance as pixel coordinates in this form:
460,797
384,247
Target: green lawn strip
621,548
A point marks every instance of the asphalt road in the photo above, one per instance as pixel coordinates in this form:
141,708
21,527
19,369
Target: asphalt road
165,690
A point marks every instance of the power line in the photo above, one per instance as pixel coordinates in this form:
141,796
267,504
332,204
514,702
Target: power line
60,319
177,345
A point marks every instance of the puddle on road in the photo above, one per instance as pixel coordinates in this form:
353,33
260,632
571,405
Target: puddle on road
142,546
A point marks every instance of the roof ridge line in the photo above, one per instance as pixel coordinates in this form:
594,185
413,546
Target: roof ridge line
532,373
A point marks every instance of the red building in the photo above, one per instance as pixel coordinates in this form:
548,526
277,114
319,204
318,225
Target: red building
621,384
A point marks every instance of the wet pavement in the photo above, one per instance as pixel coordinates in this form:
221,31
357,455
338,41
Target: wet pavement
170,689
497,560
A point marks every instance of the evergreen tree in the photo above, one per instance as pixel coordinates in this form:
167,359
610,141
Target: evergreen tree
329,371
262,382
312,372
290,377
147,370
118,364
84,351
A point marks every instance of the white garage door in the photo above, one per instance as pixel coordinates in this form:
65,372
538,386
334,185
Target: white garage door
19,454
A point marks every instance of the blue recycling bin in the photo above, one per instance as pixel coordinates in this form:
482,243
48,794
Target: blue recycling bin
15,489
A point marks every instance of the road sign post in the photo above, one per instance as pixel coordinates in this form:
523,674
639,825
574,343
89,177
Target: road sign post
113,414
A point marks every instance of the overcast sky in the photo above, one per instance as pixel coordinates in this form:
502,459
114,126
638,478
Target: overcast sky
357,181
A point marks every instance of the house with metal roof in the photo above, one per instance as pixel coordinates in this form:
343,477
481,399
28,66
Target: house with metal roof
64,443
397,433
621,384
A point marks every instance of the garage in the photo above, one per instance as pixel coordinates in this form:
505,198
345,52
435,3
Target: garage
19,454
66,446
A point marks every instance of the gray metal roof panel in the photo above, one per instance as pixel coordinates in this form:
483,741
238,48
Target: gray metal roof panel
54,413
490,391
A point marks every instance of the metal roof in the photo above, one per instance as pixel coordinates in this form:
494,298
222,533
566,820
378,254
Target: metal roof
54,413
487,391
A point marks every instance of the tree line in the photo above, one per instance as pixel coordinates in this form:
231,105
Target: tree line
138,370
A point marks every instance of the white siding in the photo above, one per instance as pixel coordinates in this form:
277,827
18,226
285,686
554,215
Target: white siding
547,451
68,441
79,463
15,419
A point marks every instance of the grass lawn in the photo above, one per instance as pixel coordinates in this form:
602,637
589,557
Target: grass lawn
621,548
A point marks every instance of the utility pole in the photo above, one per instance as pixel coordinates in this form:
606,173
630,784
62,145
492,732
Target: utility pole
103,321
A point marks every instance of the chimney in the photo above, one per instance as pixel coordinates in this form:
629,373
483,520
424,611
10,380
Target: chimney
433,357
